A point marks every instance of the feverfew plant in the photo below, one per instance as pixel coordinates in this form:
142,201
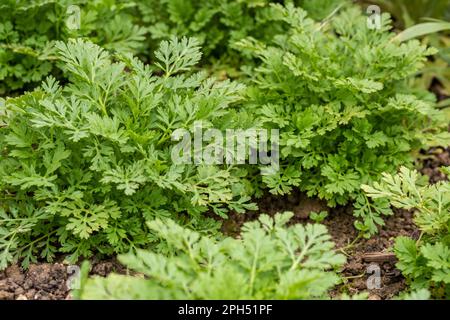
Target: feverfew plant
337,91
85,164
269,261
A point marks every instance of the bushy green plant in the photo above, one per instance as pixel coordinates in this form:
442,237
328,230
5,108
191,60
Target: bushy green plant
410,12
85,159
84,164
220,23
338,93
28,30
424,262
269,261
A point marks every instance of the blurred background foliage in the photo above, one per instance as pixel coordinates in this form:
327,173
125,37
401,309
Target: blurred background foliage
407,13
29,27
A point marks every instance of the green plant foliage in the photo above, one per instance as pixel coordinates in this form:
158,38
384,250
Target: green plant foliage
421,294
268,261
436,73
28,29
85,164
422,29
214,22
220,23
425,262
409,13
338,93
318,217
439,68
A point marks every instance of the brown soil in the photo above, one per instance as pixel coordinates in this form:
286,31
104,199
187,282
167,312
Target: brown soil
46,281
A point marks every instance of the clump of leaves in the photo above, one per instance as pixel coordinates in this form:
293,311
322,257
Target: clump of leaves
269,261
420,18
218,24
85,164
29,28
338,93
425,262
421,294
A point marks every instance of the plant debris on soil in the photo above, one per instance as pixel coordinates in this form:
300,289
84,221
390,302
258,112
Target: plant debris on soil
50,281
